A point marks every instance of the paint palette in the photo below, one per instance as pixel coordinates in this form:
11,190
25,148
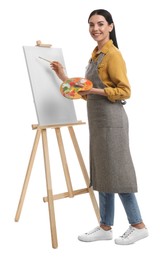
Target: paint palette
70,87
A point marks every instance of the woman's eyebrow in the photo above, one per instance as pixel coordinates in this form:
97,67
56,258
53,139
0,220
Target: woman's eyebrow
97,22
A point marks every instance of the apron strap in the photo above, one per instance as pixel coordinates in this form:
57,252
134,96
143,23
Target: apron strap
100,57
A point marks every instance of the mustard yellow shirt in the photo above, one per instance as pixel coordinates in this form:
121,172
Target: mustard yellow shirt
112,71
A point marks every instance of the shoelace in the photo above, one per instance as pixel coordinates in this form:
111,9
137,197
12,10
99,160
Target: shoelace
93,231
128,232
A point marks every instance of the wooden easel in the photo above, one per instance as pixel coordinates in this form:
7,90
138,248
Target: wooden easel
42,131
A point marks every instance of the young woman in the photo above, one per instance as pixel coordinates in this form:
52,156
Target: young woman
111,166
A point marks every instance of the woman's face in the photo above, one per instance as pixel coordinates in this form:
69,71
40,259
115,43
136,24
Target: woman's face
99,28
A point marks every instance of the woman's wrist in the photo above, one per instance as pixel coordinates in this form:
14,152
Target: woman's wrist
63,77
97,91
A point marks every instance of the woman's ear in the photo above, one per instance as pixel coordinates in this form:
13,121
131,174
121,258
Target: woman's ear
111,27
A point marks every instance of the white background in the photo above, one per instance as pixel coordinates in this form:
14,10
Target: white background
139,28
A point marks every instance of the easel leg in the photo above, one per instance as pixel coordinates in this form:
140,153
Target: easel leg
64,162
49,190
28,174
84,171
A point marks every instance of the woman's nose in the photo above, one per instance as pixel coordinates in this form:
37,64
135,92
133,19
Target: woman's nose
95,27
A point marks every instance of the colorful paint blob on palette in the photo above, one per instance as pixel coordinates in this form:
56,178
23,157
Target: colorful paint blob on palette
72,86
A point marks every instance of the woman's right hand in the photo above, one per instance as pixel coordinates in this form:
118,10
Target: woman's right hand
58,68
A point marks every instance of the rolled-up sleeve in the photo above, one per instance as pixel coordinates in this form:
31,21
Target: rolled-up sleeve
118,88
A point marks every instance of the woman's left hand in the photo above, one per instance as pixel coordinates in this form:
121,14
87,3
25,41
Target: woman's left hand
84,93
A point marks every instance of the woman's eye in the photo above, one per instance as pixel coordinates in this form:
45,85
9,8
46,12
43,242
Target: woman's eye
99,25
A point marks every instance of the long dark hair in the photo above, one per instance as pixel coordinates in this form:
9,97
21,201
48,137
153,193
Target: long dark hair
109,19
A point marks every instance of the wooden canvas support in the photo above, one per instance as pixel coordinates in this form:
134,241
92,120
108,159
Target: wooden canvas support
40,44
42,131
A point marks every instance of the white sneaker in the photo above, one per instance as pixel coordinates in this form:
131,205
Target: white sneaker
131,236
96,234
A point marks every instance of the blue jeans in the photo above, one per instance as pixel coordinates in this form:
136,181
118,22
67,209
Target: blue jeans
106,203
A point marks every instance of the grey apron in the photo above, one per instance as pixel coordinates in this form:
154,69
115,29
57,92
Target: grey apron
111,166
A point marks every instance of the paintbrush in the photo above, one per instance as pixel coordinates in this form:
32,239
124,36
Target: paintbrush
44,59
47,60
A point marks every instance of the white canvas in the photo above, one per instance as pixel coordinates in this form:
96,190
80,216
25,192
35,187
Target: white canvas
51,107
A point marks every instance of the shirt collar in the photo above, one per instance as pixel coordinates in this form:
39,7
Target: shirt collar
104,49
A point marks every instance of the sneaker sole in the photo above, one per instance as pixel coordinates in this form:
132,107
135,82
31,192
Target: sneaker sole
93,240
125,243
